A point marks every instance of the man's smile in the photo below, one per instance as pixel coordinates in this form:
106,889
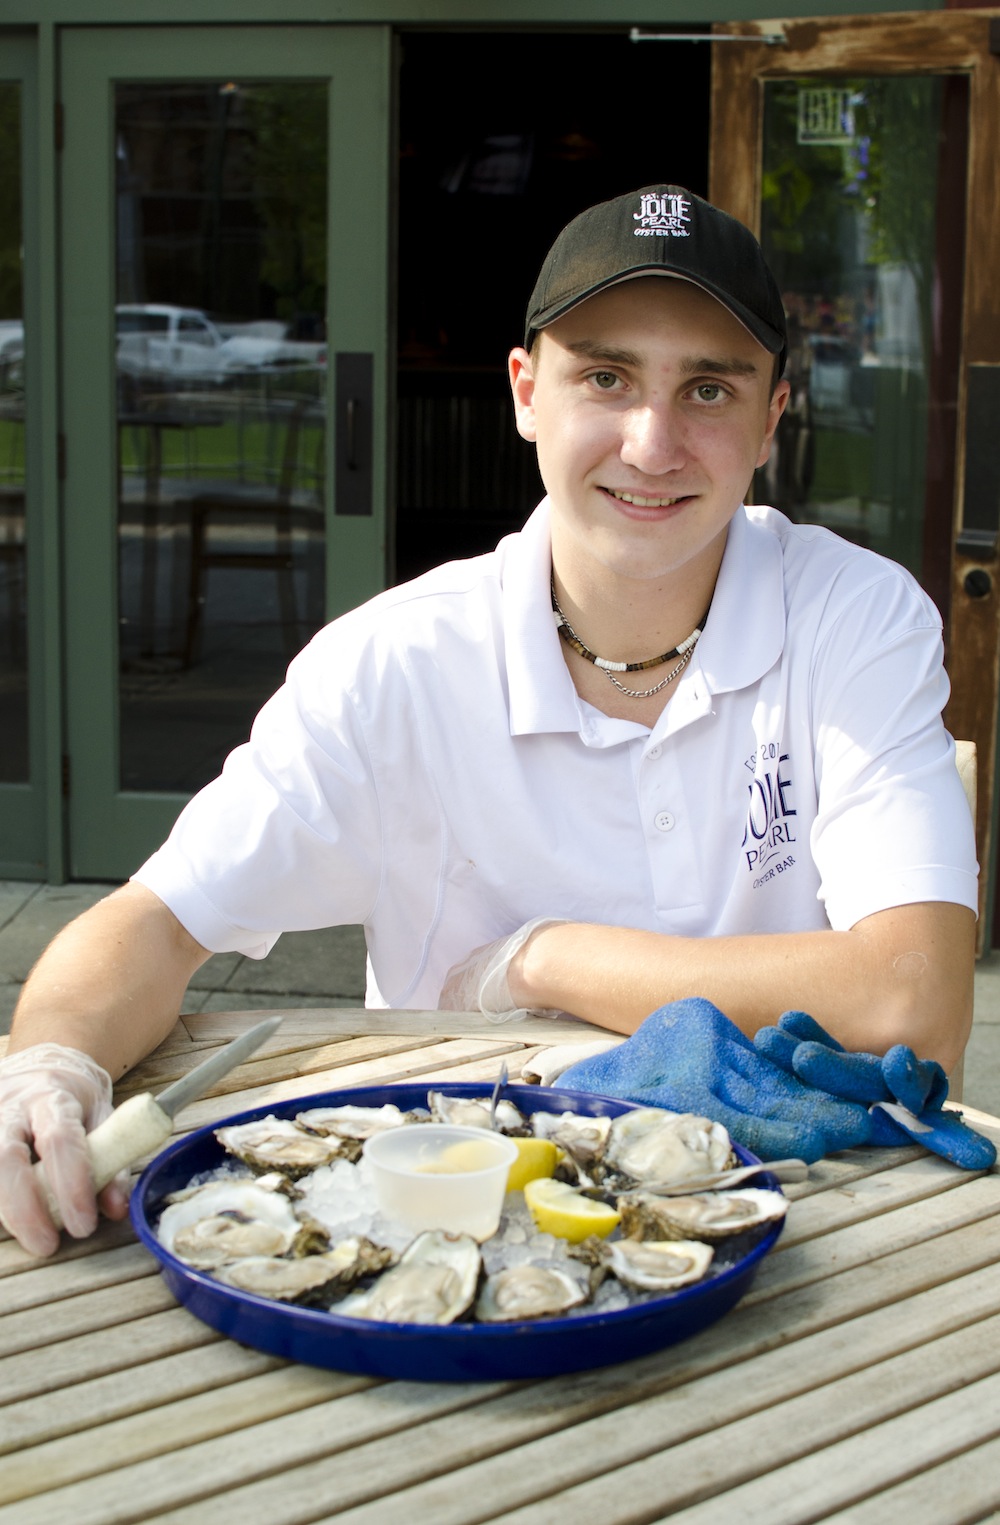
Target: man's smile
639,501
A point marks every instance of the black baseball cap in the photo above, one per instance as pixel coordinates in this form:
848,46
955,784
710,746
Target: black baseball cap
660,230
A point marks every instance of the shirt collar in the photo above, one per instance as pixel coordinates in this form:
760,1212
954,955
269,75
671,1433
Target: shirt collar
743,637
745,632
542,696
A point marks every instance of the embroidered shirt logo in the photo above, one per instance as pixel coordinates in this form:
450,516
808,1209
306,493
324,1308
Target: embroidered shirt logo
662,216
771,826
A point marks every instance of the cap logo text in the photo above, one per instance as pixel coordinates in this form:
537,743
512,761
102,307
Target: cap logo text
662,216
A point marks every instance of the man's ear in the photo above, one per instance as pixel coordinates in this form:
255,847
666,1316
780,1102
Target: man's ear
522,385
779,401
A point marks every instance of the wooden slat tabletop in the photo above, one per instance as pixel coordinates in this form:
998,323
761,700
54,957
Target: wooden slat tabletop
858,1381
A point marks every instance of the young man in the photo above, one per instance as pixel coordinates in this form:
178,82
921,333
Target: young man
706,740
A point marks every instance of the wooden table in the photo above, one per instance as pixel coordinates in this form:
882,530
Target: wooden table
858,1381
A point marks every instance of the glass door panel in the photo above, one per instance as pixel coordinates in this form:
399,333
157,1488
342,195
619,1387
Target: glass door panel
220,352
225,196
854,172
13,483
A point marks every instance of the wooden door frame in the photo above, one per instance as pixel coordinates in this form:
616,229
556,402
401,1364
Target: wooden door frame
905,42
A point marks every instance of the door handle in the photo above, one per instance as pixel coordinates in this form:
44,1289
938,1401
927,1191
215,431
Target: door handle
354,403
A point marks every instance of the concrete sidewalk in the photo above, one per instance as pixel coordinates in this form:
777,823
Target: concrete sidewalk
328,969
304,969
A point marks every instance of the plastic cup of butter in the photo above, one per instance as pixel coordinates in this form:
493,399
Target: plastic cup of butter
439,1176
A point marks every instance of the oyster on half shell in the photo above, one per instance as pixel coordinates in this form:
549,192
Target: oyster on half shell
435,1282
526,1292
709,1215
227,1220
656,1147
274,1143
651,1265
474,1112
584,1138
353,1122
313,1278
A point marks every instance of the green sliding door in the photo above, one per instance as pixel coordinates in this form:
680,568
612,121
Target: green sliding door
225,214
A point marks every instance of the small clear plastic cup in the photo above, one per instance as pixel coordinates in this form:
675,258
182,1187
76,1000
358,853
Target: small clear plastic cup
439,1176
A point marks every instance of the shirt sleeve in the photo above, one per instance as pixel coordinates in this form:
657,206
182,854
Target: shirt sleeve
893,825
288,837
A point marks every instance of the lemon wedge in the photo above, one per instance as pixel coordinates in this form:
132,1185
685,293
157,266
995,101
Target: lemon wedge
558,1209
536,1158
467,1154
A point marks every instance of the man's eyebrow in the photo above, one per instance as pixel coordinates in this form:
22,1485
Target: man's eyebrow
598,352
610,354
718,365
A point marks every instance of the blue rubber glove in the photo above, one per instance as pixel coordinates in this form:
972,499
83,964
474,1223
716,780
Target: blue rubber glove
688,1057
905,1095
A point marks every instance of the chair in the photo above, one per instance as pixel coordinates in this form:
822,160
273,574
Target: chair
241,506
965,761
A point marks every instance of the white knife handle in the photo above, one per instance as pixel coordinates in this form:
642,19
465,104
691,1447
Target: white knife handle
135,1128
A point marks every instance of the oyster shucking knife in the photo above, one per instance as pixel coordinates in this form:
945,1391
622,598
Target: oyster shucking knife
142,1123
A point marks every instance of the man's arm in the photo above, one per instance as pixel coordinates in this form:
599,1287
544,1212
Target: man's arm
111,983
903,975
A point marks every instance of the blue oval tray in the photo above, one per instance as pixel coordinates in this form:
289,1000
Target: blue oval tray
461,1352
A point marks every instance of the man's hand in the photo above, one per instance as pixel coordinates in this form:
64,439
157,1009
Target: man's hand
104,993
482,981
51,1097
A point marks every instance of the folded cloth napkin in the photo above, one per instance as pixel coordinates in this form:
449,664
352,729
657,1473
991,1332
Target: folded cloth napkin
688,1057
905,1095
547,1064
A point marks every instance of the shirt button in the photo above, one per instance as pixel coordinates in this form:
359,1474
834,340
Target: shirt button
664,821
654,752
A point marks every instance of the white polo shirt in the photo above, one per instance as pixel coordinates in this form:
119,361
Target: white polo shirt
428,769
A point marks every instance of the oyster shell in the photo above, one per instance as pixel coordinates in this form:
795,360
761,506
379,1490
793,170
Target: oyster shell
311,1279
527,1291
435,1282
652,1265
709,1215
227,1220
273,1143
584,1138
353,1122
656,1147
474,1112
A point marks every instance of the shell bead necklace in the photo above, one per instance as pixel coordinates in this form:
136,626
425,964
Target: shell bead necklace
683,650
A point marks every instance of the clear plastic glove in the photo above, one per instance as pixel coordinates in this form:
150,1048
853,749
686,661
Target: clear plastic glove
480,982
905,1095
688,1057
50,1098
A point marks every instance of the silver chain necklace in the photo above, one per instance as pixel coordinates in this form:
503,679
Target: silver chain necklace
684,650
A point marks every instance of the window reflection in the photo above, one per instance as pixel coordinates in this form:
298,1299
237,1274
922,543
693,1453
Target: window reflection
220,345
859,177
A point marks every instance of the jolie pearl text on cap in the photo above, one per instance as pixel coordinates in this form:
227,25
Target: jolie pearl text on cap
660,230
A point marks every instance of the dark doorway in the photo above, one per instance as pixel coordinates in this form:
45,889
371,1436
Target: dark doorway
504,138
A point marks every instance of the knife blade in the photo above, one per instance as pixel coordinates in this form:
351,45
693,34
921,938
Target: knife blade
142,1123
199,1080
